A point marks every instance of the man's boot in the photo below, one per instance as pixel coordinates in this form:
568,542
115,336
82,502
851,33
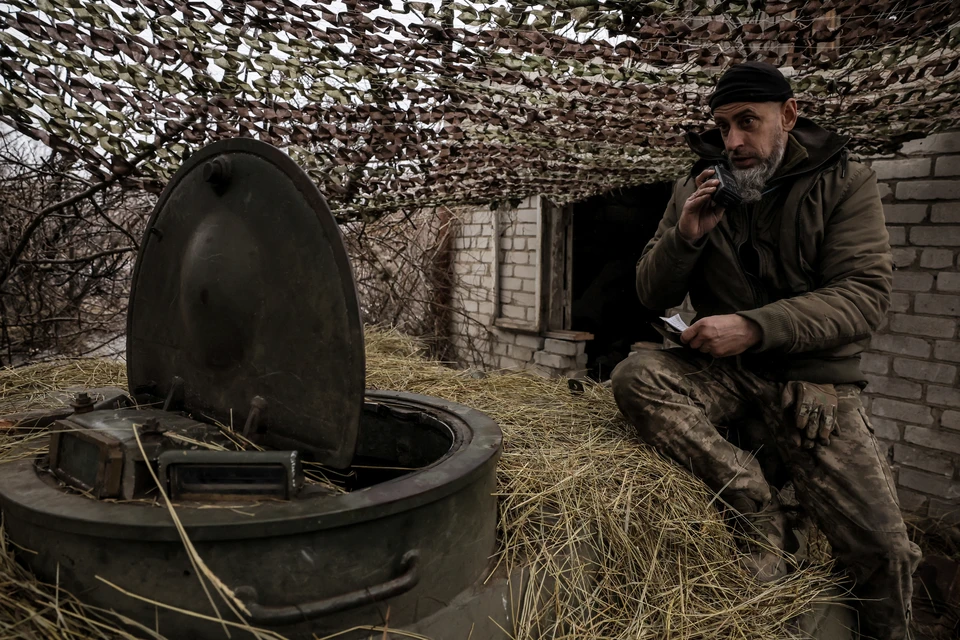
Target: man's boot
761,535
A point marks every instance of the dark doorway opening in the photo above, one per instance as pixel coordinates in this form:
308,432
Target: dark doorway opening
609,233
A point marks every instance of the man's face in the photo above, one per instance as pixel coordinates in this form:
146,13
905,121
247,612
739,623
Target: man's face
752,130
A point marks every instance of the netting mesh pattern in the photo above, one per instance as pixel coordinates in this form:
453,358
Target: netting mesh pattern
392,105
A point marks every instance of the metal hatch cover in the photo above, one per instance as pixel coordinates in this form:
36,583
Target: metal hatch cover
242,289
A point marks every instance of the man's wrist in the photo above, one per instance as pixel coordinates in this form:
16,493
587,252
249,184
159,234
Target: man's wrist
753,331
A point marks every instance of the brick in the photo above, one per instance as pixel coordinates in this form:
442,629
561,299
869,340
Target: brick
912,281
507,362
885,429
525,271
948,166
911,501
903,257
923,325
552,360
929,483
530,286
894,387
947,350
936,258
933,438
511,284
899,302
874,363
884,190
930,236
898,236
921,459
519,297
937,143
513,311
520,353
950,420
899,410
928,190
515,257
560,347
937,305
531,342
527,229
948,281
948,396
902,168
904,213
946,212
924,370
528,216
900,345
945,513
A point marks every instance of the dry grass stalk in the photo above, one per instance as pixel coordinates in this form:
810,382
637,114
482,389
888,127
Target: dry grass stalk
654,559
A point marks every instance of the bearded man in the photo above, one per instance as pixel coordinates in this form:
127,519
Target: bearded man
788,287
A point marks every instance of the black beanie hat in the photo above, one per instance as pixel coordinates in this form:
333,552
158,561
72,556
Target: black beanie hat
751,82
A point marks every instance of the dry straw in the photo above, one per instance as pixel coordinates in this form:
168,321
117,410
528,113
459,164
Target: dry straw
617,542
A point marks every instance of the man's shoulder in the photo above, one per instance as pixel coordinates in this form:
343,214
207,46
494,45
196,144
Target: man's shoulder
847,177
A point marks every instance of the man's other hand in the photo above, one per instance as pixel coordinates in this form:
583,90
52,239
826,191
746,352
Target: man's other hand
699,215
722,336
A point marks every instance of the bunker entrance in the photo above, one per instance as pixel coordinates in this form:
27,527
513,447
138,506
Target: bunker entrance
609,234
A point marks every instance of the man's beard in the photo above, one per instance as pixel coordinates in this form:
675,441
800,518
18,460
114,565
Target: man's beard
752,180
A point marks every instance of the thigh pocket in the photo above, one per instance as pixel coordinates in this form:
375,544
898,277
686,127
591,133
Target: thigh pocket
881,456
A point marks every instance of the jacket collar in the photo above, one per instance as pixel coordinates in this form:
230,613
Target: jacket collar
809,148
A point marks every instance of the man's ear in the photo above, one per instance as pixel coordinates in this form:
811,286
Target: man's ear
788,114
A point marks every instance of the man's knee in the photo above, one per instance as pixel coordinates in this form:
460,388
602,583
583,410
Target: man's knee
644,380
635,375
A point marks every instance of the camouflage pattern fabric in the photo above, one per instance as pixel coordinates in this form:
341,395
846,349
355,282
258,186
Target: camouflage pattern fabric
677,399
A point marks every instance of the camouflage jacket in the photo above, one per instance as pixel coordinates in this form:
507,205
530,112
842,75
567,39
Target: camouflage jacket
810,262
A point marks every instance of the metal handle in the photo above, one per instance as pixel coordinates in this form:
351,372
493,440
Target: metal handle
275,616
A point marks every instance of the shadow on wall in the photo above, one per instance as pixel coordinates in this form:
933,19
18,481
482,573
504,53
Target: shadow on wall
609,233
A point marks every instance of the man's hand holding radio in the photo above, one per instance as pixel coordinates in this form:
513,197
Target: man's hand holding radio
700,214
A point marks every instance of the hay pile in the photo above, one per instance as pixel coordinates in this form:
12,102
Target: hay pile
656,560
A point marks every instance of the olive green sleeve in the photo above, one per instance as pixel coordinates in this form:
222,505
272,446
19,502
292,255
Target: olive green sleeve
664,268
855,278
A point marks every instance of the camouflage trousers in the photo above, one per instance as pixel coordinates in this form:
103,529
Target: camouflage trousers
677,399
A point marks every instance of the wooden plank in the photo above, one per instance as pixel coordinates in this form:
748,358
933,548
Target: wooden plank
573,336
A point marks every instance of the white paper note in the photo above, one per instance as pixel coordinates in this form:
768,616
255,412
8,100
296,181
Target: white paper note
676,322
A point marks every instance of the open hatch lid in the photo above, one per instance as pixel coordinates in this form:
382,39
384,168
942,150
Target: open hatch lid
242,289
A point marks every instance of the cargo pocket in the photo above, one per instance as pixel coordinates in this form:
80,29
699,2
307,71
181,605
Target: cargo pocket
881,458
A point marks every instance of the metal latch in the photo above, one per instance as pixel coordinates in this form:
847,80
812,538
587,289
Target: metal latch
231,475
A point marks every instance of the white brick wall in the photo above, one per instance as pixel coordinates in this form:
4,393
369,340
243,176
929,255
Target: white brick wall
914,362
476,335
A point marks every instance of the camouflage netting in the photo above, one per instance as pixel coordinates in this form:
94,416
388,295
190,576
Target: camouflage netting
393,104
